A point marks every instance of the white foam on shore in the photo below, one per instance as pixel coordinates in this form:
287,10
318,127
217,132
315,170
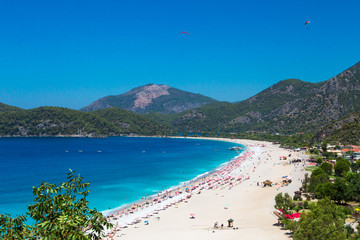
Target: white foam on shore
248,202
180,185
146,212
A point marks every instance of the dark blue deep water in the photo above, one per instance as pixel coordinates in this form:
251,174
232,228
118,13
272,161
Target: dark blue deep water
120,169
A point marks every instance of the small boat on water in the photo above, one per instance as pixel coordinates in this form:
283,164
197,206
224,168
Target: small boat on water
237,148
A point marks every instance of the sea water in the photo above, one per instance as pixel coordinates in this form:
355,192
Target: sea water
120,169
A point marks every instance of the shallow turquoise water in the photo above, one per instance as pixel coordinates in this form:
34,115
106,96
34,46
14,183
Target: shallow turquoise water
120,169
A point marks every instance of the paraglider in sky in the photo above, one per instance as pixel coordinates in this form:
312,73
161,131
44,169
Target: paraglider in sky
185,35
306,24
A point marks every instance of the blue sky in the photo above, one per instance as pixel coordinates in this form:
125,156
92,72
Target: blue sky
70,53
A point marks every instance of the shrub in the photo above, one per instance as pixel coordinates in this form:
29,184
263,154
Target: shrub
297,208
60,211
306,204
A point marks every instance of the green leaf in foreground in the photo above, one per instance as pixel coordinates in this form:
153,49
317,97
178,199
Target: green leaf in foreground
14,227
60,211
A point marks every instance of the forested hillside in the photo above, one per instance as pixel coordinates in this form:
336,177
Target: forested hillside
344,131
287,107
8,108
53,121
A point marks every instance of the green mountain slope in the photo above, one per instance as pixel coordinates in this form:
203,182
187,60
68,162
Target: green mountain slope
7,108
344,131
130,122
256,113
152,98
287,107
53,121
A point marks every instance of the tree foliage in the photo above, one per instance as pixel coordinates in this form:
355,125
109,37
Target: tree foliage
324,146
325,220
53,121
341,167
355,166
318,176
60,212
283,202
14,227
327,167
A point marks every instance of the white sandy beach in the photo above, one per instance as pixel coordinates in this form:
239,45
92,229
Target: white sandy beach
232,192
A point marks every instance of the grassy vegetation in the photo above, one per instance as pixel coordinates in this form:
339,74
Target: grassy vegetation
311,168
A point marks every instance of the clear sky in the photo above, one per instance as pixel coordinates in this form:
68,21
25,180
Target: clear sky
71,53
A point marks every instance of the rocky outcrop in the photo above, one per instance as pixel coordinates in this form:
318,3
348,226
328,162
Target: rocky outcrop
152,98
145,97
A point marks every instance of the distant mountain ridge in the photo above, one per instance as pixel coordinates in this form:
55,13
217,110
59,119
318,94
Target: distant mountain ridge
57,121
286,107
152,98
7,108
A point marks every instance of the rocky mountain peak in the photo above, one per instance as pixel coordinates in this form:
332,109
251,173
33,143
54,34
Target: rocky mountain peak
149,92
152,98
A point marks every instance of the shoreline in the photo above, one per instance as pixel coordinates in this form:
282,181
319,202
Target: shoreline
236,174
182,185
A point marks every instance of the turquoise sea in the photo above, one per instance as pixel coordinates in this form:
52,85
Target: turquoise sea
120,169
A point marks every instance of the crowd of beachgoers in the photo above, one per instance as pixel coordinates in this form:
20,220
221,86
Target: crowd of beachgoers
235,172
225,177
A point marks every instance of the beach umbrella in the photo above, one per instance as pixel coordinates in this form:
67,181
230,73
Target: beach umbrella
230,222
